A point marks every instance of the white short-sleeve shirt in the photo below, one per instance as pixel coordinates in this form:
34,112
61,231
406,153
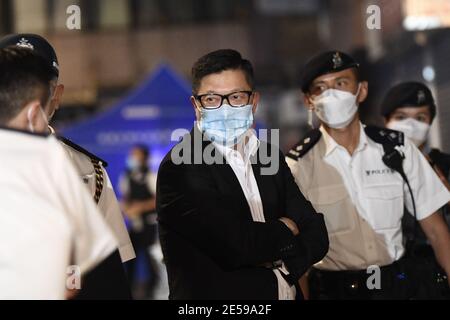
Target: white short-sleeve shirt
378,193
108,204
48,220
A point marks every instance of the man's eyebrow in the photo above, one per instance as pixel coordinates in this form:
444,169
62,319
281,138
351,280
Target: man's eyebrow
317,82
342,77
228,92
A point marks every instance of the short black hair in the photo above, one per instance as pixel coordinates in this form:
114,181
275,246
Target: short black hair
143,148
24,77
218,61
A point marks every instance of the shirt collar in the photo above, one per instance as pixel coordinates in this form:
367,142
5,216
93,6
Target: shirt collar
250,147
26,132
331,144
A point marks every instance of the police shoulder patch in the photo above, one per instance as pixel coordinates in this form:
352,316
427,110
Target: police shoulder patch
385,136
306,144
80,149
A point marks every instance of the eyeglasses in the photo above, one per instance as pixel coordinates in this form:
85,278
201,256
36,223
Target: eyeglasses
214,100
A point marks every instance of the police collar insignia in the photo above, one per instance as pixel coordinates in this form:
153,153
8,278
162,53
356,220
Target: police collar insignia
24,43
337,60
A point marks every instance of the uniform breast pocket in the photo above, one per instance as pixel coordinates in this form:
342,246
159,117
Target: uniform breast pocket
335,204
385,205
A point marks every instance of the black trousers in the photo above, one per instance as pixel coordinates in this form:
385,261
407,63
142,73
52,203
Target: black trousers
107,281
352,285
141,241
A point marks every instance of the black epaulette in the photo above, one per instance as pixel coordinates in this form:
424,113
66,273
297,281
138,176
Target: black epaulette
385,137
439,156
440,159
82,150
306,144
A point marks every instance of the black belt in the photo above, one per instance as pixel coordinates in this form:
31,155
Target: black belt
355,273
355,279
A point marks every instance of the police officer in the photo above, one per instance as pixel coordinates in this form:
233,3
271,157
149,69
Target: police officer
409,107
92,172
138,203
48,221
350,173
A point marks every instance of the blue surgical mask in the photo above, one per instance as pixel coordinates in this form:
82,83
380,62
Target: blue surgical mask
226,125
132,163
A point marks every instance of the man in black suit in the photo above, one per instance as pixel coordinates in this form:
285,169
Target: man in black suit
229,227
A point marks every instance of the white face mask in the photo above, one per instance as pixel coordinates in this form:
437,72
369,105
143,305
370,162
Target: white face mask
415,130
336,108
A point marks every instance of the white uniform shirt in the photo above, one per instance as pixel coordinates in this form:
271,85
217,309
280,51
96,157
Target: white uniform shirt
242,168
378,193
48,221
107,203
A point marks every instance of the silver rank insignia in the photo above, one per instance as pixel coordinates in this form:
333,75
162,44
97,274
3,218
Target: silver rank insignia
420,97
24,43
337,60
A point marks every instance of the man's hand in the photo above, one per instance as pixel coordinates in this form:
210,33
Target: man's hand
71,294
304,286
133,211
291,225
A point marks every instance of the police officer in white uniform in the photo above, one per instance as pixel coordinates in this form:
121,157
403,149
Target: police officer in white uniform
48,221
340,169
409,107
91,170
90,167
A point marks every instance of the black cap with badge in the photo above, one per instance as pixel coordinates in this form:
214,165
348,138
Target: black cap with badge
36,43
327,62
408,94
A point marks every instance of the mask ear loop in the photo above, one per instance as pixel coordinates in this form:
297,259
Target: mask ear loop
359,89
311,115
30,123
310,118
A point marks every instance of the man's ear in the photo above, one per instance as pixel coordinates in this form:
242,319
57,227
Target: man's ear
32,111
307,100
255,101
55,100
363,91
196,107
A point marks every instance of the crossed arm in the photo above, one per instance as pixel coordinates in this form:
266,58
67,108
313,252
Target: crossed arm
189,204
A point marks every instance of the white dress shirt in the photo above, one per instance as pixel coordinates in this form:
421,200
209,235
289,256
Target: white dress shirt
48,221
242,168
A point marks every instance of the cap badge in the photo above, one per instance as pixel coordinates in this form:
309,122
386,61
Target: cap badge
24,43
420,97
337,60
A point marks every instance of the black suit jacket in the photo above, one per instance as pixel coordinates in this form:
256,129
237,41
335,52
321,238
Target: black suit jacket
212,247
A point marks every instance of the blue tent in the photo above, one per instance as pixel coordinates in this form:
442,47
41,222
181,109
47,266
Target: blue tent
146,116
